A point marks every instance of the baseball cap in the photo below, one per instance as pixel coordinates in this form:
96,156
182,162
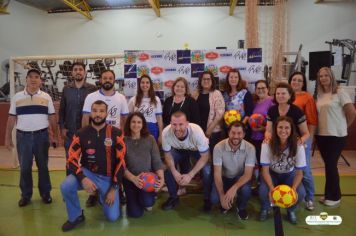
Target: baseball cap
33,70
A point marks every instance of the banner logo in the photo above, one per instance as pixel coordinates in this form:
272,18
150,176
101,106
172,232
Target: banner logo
211,55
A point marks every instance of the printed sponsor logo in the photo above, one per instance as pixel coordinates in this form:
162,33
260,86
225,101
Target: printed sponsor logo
211,55
157,70
169,83
170,69
225,69
158,56
143,57
197,56
225,54
254,55
323,219
90,151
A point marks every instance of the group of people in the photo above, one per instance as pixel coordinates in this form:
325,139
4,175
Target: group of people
110,143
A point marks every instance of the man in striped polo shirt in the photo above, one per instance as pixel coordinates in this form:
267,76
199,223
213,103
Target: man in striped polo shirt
32,111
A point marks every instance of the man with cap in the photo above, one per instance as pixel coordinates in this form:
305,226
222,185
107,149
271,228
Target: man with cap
32,111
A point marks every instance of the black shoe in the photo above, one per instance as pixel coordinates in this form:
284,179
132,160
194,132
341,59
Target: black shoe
170,203
24,202
46,198
243,215
207,205
292,217
92,200
71,225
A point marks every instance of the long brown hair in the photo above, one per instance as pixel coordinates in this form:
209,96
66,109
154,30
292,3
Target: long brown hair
151,92
144,131
292,141
240,85
333,82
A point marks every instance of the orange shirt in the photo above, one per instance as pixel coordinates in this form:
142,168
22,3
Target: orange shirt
306,103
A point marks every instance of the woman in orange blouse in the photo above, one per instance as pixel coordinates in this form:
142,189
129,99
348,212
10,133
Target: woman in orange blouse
306,103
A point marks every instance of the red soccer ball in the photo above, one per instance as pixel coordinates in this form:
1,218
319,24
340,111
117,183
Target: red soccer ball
149,179
256,120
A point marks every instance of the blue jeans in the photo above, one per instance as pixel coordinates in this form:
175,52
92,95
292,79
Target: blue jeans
70,187
277,179
308,180
31,145
137,199
182,156
243,193
153,129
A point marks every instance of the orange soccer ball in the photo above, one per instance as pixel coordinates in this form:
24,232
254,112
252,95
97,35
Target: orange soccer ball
284,196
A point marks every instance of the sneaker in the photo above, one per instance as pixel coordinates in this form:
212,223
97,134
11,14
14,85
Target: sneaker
292,217
67,226
243,215
148,208
46,198
309,205
207,205
223,210
91,201
331,202
182,191
24,202
170,203
263,215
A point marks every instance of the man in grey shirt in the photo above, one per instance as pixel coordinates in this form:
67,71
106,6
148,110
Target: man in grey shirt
234,160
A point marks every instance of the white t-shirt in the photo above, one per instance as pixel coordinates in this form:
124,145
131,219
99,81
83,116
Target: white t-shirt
283,163
195,140
331,115
117,106
149,111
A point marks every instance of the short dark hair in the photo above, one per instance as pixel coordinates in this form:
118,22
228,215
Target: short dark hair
237,124
35,70
178,114
100,102
290,91
304,88
213,82
78,63
144,131
107,70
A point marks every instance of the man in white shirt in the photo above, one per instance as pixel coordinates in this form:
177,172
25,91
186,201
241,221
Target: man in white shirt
181,140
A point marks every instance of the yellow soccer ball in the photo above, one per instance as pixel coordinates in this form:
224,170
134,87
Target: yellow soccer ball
284,196
231,116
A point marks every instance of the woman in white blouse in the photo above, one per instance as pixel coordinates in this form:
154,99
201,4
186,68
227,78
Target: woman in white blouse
149,105
335,114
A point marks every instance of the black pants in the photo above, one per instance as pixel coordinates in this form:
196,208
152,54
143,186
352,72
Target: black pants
330,148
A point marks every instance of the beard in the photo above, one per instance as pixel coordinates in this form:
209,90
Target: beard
78,78
107,86
97,122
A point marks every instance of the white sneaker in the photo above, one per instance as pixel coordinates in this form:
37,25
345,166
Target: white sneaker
148,208
331,202
309,205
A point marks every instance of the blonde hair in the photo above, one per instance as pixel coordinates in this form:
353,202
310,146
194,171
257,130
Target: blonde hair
333,83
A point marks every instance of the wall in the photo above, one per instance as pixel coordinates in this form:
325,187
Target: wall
29,31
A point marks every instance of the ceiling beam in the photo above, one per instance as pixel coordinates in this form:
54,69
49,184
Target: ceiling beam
155,6
3,6
232,7
318,1
80,6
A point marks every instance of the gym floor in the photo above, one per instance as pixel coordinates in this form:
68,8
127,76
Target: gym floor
188,218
